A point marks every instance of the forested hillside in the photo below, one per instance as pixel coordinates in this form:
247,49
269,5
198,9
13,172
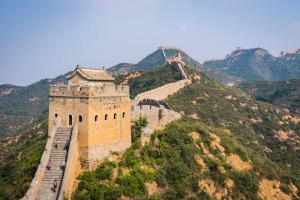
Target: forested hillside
227,145
284,94
19,158
20,106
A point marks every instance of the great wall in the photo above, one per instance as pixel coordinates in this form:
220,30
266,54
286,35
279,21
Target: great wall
93,115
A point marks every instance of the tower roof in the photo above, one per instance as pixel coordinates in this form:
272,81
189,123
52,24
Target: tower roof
92,74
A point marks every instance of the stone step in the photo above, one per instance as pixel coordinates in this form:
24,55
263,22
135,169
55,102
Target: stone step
52,178
63,131
47,176
57,156
55,172
58,151
61,139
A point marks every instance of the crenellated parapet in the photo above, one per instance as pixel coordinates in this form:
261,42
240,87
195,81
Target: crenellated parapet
88,90
174,59
171,47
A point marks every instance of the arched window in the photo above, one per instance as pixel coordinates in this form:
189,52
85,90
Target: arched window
56,115
123,114
80,118
106,117
115,116
96,118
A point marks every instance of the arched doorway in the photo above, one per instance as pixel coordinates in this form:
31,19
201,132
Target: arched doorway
70,120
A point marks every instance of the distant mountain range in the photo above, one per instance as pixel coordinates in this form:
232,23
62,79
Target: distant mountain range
20,105
258,64
157,59
241,64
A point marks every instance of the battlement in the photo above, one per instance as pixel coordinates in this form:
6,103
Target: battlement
164,91
171,47
174,59
88,90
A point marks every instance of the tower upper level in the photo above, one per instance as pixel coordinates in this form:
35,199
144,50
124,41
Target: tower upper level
87,82
88,76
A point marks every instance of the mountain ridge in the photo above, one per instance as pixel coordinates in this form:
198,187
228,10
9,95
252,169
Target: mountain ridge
158,58
257,64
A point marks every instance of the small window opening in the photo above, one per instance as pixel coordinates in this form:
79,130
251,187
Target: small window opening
123,114
115,116
70,120
56,115
80,118
106,117
96,118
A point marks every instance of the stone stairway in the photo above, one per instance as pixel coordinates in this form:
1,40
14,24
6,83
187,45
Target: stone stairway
57,156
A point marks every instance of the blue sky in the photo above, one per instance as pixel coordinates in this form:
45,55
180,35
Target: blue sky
43,39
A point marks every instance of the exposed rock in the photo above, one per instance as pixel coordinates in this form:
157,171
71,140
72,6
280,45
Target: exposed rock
236,162
229,183
134,75
195,137
243,104
282,135
197,77
215,145
294,189
33,99
228,97
293,119
194,116
256,120
6,91
199,161
266,149
152,188
206,152
254,107
269,190
213,189
19,156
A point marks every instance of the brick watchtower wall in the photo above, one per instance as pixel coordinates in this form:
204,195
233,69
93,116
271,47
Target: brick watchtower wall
102,113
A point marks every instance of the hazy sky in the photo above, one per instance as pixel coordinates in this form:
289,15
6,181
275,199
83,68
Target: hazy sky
46,38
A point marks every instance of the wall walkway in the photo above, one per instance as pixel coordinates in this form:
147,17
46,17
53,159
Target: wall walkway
58,158
36,181
71,165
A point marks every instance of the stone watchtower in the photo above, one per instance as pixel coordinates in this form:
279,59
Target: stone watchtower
99,108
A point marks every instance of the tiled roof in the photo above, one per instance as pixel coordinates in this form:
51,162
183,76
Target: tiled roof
92,74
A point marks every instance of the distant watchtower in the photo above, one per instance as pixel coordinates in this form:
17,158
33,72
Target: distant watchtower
99,108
